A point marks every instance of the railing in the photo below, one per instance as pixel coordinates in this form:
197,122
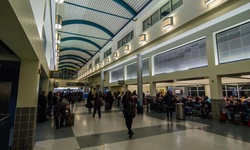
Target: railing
5,120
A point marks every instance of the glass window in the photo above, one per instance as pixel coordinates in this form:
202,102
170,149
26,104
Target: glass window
165,10
132,34
145,67
176,4
119,44
233,44
147,23
155,17
116,75
90,65
107,53
97,60
131,71
124,41
192,55
128,37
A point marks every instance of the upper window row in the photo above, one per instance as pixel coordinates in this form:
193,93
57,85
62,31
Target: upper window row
161,13
107,53
126,39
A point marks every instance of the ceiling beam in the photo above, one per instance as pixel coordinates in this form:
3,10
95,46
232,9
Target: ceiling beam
81,39
89,23
76,49
72,57
76,59
94,37
126,6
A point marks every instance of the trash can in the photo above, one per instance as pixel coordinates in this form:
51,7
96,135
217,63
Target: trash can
179,111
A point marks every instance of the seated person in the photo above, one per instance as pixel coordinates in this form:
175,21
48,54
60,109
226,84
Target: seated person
206,109
231,109
241,110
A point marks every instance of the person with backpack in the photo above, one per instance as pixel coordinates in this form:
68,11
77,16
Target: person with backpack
129,112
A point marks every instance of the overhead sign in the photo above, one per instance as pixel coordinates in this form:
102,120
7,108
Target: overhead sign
74,84
120,82
56,74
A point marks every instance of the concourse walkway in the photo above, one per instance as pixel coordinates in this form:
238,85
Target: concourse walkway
152,132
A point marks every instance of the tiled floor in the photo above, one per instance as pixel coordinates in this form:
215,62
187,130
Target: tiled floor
152,132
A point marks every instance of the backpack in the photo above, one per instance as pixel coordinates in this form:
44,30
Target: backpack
130,111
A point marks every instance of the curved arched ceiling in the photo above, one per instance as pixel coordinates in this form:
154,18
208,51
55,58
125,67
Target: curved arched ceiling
88,25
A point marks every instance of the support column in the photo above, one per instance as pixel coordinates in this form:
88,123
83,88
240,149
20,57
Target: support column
102,81
216,94
152,90
207,91
139,78
26,109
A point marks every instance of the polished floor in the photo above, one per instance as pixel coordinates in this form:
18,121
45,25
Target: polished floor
152,132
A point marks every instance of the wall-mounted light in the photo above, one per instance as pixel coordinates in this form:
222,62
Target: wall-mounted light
58,38
107,60
57,48
126,48
101,64
142,38
167,22
116,55
93,69
58,54
59,1
96,66
209,2
58,22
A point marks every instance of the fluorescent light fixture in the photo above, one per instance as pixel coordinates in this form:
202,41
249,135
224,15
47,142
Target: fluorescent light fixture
96,66
59,1
126,48
167,22
116,54
58,22
208,2
101,64
142,38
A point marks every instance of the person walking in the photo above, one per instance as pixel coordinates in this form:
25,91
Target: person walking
169,103
89,104
129,112
97,105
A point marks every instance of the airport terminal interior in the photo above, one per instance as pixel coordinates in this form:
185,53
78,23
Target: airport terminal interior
194,52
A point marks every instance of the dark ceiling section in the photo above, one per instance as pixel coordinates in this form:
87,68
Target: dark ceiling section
88,25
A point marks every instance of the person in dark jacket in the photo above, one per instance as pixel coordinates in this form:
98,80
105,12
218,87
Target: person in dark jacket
242,110
169,103
109,99
97,104
89,104
129,112
42,107
50,103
